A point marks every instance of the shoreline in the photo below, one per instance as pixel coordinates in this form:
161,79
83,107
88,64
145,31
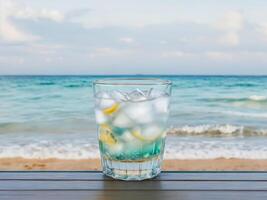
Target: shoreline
219,164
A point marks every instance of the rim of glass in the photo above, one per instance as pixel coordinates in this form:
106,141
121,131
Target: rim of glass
132,81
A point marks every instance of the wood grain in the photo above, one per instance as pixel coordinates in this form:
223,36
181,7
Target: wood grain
169,185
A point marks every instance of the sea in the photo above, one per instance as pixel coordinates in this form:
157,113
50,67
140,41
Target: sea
211,117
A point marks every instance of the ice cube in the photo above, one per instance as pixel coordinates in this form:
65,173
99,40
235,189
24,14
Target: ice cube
152,131
127,136
148,92
137,95
121,120
161,104
118,147
139,112
148,133
100,117
119,96
105,101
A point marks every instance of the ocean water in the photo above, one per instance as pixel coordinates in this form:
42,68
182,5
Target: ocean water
211,117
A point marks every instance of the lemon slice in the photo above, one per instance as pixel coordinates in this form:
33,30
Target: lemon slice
137,134
106,135
114,108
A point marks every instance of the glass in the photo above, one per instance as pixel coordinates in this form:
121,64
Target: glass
131,115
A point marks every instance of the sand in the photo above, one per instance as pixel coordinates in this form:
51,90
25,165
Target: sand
220,164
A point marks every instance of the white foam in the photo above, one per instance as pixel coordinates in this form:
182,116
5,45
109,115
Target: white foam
180,148
45,150
257,98
246,114
208,130
176,148
215,149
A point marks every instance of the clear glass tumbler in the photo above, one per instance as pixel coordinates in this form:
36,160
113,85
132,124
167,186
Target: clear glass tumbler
131,115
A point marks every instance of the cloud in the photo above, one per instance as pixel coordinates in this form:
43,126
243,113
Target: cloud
216,55
45,49
231,24
8,31
262,29
108,52
229,39
131,14
29,13
16,60
127,40
175,54
232,21
9,10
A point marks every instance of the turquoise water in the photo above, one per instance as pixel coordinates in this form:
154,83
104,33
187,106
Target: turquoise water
211,116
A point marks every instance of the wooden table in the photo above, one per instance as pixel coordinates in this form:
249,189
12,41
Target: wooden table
169,185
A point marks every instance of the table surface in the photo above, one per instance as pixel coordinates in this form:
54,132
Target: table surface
169,185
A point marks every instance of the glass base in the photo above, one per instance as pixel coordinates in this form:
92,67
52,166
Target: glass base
132,170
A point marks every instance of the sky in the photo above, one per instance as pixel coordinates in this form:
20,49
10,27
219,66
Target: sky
133,37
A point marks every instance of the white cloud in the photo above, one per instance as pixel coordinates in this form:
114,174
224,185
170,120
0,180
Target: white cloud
29,13
163,42
16,60
175,54
108,51
127,40
232,21
229,39
262,29
231,24
129,14
9,32
45,49
217,55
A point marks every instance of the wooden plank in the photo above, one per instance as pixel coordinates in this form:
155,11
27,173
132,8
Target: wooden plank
90,175
132,195
130,186
97,176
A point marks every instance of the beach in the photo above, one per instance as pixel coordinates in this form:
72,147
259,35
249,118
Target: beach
219,164
216,123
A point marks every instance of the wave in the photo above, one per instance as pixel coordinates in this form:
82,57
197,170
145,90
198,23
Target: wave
50,149
206,149
243,85
247,114
47,83
258,98
250,99
217,131
56,126
75,125
73,85
175,149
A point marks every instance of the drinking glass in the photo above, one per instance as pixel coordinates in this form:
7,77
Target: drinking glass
131,115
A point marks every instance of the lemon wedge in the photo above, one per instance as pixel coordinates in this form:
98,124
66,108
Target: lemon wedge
137,134
106,135
149,133
114,108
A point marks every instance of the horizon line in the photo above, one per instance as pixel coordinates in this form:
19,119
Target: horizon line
133,75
